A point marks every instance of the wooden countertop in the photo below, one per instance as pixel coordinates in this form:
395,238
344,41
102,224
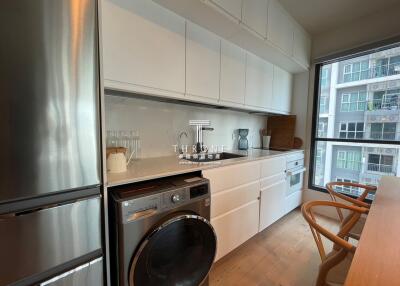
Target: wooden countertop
377,258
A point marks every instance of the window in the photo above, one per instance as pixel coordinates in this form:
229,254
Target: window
325,77
354,101
356,71
383,131
323,104
358,140
346,189
348,160
380,163
351,130
322,128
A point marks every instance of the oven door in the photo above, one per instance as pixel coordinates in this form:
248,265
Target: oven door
294,180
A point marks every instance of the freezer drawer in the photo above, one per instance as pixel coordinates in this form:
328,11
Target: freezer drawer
88,274
36,245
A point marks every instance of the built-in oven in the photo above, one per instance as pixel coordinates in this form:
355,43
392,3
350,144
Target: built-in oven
294,180
294,173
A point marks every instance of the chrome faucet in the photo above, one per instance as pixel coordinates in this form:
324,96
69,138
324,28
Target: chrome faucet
200,126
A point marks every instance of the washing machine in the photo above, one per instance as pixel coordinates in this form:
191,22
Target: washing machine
160,232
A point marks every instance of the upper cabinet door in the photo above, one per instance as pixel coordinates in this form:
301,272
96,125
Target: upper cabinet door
259,78
301,46
143,45
280,27
255,14
282,94
233,73
202,62
233,7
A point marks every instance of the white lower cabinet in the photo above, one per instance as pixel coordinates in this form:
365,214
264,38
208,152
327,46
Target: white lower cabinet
292,201
235,227
247,198
272,204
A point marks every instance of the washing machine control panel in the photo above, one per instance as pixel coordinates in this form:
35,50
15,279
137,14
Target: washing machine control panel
142,207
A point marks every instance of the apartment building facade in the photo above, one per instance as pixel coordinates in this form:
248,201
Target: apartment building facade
359,99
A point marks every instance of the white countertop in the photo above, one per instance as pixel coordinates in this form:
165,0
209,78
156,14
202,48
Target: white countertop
152,168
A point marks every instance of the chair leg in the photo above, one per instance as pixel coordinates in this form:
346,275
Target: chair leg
329,263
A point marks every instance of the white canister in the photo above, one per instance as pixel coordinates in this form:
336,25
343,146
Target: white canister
265,142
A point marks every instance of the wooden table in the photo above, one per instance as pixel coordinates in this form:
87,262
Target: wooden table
377,258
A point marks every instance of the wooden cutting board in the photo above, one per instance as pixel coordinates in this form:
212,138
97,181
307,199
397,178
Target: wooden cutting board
281,128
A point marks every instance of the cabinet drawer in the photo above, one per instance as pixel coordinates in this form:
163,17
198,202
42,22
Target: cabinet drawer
235,227
273,166
228,200
268,181
229,177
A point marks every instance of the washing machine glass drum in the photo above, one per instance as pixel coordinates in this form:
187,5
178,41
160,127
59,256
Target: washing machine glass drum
178,252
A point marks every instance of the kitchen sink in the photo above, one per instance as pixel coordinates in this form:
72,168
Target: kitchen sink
209,157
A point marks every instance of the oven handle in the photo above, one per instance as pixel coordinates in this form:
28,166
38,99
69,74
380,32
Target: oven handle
292,173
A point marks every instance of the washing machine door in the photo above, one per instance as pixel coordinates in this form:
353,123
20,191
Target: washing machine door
178,252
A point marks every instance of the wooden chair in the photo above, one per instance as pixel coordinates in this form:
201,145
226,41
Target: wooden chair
335,265
359,201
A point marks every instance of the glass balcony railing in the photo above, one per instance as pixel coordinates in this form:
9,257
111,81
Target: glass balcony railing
372,72
383,135
393,104
387,169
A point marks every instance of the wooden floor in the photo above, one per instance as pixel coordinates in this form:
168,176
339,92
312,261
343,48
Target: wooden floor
284,254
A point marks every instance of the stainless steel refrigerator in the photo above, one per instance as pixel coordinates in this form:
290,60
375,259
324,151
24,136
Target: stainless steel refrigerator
50,171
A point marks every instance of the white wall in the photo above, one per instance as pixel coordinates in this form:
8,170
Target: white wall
362,31
160,123
300,103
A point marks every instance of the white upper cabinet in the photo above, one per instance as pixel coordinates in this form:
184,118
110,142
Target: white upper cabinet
143,47
233,73
202,62
301,46
282,91
280,27
255,14
259,82
233,7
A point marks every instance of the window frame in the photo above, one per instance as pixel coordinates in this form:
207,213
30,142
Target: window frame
357,102
347,129
360,51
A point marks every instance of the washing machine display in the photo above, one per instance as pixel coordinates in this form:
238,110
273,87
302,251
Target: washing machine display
162,237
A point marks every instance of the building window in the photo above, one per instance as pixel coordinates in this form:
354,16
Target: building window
356,71
322,128
348,160
318,157
380,163
324,77
324,104
385,99
364,116
383,131
354,101
346,189
351,130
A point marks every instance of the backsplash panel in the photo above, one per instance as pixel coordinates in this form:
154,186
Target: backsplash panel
160,123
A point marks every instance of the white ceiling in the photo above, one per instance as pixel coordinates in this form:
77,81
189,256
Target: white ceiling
318,16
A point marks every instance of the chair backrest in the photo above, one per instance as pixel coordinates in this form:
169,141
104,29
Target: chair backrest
339,239
358,202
